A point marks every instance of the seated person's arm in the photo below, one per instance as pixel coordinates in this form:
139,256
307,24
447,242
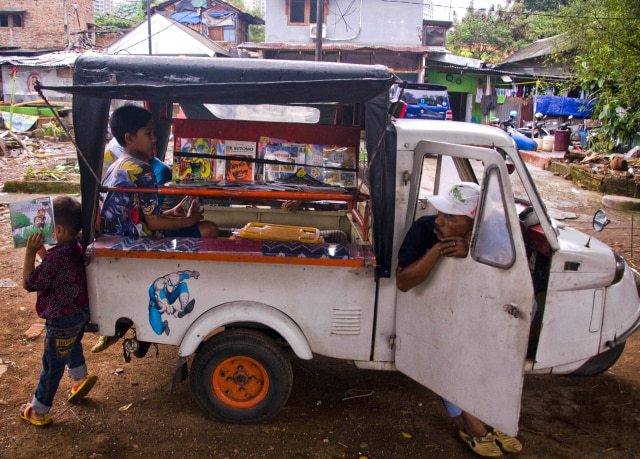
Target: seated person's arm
163,222
409,276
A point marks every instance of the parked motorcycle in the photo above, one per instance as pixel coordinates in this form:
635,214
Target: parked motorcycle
535,129
522,141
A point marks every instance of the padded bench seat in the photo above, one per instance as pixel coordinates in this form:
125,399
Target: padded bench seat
249,251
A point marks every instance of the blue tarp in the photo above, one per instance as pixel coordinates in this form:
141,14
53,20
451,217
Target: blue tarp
556,105
186,18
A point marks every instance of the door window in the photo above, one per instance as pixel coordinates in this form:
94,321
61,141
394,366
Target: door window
493,243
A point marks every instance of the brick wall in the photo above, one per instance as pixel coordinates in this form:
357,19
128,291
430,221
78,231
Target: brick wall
43,23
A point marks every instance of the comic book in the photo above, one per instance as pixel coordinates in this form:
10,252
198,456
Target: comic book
284,153
30,217
239,170
340,158
197,168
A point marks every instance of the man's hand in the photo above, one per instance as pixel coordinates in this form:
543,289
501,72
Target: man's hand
454,247
291,205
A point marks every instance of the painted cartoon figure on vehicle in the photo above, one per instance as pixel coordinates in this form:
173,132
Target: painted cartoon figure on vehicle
169,294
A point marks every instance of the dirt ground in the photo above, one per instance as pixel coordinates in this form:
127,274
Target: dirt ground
335,410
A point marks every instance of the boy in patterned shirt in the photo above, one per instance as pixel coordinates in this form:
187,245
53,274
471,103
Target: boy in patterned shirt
61,283
139,214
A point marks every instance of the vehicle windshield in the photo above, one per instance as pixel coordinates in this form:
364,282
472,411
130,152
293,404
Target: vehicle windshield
426,97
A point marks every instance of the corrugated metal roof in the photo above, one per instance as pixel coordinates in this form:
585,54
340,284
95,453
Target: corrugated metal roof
59,59
542,47
341,47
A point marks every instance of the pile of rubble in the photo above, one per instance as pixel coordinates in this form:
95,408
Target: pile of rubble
608,173
24,157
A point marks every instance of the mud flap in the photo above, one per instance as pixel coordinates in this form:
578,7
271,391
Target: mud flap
181,373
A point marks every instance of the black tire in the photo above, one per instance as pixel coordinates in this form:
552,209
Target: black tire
601,362
241,376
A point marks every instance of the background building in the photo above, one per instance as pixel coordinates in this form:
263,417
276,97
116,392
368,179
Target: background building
30,27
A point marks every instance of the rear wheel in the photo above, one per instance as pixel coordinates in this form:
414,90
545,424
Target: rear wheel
241,376
601,362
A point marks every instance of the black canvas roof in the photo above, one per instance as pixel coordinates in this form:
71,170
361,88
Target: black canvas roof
214,80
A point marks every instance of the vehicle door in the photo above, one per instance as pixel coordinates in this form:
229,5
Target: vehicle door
463,331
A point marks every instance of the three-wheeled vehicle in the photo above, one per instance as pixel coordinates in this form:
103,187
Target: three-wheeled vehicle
468,332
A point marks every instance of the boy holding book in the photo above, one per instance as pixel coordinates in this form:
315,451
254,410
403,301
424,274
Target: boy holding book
61,283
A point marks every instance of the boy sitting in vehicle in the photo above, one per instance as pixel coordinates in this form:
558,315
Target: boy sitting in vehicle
139,214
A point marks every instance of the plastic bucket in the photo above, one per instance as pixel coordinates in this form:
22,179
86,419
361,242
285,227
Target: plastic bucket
561,140
547,143
539,142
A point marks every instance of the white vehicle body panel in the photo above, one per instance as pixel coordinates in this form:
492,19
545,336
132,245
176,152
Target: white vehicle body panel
332,306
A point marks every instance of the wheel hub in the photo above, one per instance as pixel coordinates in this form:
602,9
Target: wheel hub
240,381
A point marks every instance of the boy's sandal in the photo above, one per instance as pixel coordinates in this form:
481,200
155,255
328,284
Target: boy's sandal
83,389
506,443
482,446
25,414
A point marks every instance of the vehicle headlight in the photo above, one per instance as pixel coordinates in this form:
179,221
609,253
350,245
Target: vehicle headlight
620,266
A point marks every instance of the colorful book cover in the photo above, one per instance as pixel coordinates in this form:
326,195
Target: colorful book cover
30,217
194,145
193,169
314,161
337,158
239,170
284,153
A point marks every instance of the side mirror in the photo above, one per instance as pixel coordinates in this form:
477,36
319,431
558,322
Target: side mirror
600,220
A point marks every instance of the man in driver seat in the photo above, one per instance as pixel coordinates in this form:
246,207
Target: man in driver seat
448,235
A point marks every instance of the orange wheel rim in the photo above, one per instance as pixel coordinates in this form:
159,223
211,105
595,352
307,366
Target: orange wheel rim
240,382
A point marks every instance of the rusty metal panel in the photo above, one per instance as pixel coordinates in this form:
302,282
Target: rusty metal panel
524,107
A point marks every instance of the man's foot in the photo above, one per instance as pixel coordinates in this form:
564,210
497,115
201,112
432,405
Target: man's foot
166,327
104,342
29,414
79,391
505,442
483,446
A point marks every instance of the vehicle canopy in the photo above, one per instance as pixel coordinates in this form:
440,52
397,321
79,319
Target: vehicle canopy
191,81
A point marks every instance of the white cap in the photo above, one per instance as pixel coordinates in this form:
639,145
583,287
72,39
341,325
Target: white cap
462,199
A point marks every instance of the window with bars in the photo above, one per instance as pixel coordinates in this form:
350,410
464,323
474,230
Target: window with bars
11,20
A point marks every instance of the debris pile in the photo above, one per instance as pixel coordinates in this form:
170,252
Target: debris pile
25,157
611,173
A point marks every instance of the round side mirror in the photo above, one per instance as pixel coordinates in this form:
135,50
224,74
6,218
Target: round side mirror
600,220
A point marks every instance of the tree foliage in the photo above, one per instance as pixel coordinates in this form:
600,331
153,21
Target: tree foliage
492,35
606,37
125,15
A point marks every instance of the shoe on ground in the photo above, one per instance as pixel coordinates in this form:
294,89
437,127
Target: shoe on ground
506,443
77,392
104,342
483,446
26,415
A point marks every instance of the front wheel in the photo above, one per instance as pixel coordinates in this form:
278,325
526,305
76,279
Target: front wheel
601,362
241,376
